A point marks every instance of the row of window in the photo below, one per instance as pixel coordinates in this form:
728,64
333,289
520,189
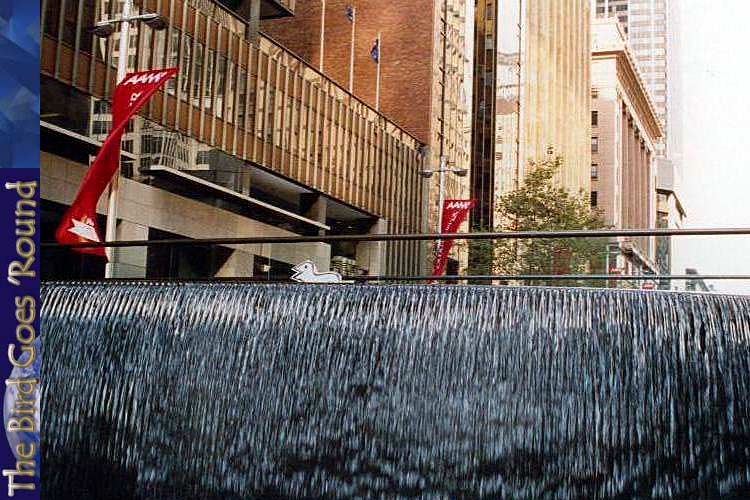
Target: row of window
206,77
612,8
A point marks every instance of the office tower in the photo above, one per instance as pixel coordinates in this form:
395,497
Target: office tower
652,27
645,22
531,96
247,140
625,130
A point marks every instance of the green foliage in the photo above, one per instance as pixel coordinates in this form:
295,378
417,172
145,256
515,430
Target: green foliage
539,205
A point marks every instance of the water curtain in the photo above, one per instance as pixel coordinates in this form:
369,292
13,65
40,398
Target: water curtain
209,391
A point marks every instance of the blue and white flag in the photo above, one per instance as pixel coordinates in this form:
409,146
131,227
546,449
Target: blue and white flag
350,13
375,50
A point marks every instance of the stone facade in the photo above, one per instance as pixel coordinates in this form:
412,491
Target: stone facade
645,24
540,99
144,207
625,131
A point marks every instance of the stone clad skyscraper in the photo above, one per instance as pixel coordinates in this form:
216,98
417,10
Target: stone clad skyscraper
646,24
651,27
531,96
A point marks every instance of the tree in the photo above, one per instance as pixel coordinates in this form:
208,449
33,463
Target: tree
540,205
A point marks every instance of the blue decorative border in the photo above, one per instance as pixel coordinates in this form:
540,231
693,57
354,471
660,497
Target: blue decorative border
20,346
20,341
19,83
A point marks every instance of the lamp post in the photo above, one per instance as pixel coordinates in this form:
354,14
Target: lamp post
444,168
105,29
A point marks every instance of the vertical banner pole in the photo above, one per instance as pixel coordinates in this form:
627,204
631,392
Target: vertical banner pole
351,51
322,34
110,233
377,78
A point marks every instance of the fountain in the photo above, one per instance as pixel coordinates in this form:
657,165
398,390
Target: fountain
208,391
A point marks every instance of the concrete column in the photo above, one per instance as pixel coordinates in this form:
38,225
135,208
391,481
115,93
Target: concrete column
649,197
633,156
615,170
314,207
642,195
638,178
238,265
625,170
371,254
131,261
250,11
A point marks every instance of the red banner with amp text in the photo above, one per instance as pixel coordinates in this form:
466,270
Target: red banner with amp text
78,225
454,214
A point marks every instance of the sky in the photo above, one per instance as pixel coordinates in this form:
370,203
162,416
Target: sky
712,76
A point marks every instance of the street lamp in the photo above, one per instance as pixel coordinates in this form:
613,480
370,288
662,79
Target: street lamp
105,29
444,167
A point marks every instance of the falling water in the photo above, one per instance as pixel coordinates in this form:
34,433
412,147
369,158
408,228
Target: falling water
208,391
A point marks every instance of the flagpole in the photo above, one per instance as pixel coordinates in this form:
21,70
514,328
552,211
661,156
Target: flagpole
322,33
377,78
110,233
351,51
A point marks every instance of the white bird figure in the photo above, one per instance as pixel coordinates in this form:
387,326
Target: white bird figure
305,272
84,230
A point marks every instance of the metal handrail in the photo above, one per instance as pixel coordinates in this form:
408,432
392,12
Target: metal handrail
455,277
557,277
257,240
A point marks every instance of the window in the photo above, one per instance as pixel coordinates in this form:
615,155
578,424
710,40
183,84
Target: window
594,171
231,82
594,144
101,107
160,47
594,118
594,93
52,18
69,22
197,74
208,87
594,198
221,78
242,97
621,8
100,127
88,12
187,49
174,61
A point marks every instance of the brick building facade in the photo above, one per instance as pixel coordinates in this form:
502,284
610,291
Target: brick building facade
422,71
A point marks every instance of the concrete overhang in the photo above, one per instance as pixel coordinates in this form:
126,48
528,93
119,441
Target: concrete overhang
186,177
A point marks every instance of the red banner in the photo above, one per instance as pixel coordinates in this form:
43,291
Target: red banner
454,214
78,225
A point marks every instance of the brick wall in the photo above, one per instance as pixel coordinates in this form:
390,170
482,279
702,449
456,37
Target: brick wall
407,34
